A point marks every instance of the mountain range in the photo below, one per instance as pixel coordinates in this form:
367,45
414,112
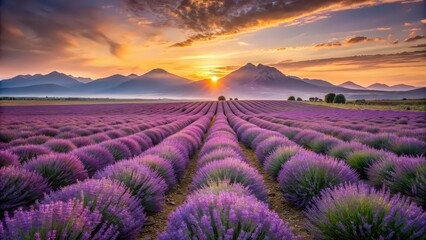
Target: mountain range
249,81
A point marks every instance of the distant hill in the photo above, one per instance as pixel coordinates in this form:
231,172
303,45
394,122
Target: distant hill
352,85
51,78
384,87
154,81
249,81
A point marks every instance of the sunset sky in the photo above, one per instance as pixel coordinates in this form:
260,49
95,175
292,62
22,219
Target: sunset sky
348,40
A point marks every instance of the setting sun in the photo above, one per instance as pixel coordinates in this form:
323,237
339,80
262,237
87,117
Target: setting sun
214,78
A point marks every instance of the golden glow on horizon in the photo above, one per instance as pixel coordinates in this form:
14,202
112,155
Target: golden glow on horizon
214,78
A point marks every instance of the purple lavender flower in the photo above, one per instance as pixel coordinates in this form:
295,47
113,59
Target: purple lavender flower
361,160
343,149
381,171
269,145
225,216
51,132
117,149
380,141
218,154
161,166
39,139
7,136
27,152
249,134
217,188
133,146
58,168
144,184
114,134
82,141
262,136
306,174
280,156
113,200
100,137
218,142
408,146
409,177
94,158
8,159
357,211
60,145
323,144
20,187
171,153
58,220
233,171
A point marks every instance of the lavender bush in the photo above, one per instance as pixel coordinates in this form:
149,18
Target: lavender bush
280,156
161,166
117,149
27,152
144,184
58,220
8,159
60,145
233,171
357,211
58,168
113,200
409,177
306,174
20,187
225,216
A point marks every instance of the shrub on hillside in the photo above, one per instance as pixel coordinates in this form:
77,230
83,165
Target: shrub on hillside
329,98
291,98
339,98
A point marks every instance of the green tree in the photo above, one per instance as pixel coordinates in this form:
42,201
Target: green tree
221,98
291,98
329,98
299,99
340,98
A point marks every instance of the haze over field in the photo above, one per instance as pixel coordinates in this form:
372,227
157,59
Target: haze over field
149,48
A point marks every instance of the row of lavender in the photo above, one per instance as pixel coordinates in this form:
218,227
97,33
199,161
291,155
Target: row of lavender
228,195
391,123
65,132
114,202
336,202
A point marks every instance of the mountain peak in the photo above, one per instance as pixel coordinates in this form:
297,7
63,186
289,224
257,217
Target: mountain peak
157,71
351,85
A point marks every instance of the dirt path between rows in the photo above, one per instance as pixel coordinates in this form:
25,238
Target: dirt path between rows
276,201
176,197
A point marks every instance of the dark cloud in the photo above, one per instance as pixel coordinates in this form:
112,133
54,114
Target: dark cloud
414,38
46,28
208,19
362,62
349,41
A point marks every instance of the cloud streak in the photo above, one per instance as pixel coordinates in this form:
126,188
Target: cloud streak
361,62
349,41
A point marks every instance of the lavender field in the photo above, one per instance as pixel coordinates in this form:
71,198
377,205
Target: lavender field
211,170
